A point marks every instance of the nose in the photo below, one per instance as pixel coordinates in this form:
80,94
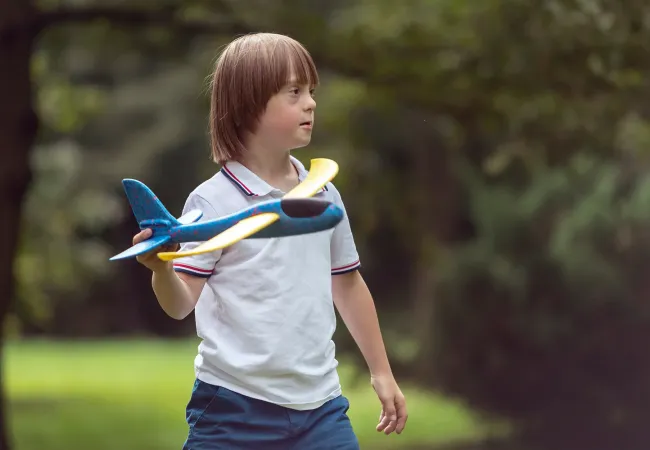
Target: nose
310,104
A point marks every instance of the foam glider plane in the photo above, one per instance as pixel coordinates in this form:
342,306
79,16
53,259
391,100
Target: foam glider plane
294,214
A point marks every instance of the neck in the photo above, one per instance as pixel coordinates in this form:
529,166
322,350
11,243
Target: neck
268,165
271,165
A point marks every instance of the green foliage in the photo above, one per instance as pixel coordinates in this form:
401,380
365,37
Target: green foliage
541,316
538,248
93,134
61,252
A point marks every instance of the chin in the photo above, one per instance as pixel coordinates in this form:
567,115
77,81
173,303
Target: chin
300,144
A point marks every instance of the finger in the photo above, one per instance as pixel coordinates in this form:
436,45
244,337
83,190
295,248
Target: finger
141,236
385,424
402,415
163,248
382,421
153,254
390,427
391,416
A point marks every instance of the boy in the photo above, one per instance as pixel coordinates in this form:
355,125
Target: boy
265,372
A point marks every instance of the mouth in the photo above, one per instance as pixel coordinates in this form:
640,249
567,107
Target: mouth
306,124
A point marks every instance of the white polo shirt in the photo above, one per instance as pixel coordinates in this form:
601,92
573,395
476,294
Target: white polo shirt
266,315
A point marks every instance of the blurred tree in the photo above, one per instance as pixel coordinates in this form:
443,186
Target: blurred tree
140,81
139,134
18,124
510,139
542,318
21,23
497,181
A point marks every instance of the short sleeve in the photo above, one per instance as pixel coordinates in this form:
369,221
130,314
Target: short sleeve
198,265
342,247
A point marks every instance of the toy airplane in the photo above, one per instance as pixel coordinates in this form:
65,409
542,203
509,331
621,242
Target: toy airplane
294,214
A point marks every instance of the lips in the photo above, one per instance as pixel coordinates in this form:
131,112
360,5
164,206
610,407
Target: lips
307,123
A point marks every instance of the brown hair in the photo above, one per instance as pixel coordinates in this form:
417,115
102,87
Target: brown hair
249,71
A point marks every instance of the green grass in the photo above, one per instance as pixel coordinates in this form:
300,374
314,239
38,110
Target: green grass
132,395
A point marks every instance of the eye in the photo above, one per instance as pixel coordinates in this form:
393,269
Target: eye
294,91
312,92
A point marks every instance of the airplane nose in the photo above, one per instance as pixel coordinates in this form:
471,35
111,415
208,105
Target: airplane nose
304,207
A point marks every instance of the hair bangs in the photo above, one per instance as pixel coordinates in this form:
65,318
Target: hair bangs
300,64
286,62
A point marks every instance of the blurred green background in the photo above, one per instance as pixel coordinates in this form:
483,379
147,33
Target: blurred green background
494,162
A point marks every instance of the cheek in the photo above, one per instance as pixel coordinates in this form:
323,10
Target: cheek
282,119
282,110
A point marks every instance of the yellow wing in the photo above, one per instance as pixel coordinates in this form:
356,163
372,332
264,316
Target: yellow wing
237,232
322,171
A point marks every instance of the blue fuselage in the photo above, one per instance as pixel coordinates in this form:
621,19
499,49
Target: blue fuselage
299,222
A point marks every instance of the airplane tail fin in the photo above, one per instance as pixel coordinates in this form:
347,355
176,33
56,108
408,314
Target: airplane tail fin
150,213
147,209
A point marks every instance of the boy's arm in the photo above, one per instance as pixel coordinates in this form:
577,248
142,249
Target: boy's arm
357,309
177,293
178,284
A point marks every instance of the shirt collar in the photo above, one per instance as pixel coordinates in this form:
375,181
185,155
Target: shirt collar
252,185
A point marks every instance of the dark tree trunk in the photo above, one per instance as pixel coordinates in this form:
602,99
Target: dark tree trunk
18,128
20,23
440,223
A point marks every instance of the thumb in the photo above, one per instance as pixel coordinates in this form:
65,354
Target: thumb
142,236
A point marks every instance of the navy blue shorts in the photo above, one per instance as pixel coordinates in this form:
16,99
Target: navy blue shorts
222,419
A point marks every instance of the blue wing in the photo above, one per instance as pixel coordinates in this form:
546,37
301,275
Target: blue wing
142,247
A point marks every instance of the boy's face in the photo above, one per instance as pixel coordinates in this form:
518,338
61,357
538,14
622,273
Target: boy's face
288,120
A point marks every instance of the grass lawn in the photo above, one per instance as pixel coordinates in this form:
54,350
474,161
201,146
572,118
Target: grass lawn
132,394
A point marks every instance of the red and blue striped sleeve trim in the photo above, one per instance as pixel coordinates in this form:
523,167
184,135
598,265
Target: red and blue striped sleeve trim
231,176
191,270
347,268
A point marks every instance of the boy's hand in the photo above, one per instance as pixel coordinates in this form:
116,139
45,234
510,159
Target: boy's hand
393,404
150,260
